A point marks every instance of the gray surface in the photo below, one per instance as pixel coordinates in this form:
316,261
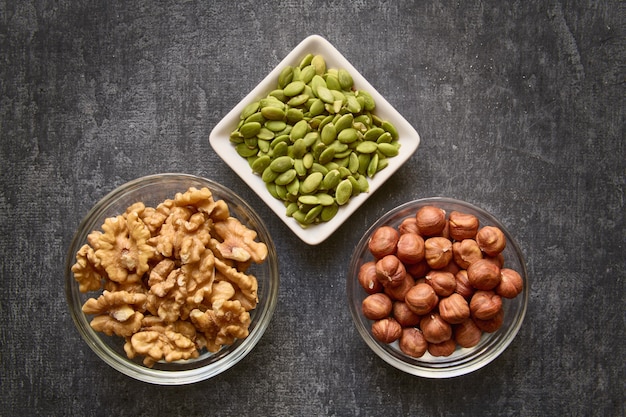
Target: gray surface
521,111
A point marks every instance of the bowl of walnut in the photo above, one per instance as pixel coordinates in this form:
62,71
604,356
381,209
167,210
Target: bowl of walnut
171,279
437,287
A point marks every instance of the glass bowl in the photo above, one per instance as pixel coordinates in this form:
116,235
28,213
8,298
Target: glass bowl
463,360
219,139
152,190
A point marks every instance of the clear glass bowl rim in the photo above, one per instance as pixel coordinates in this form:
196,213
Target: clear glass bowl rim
472,359
261,316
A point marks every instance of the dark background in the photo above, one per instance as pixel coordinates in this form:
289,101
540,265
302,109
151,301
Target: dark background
520,107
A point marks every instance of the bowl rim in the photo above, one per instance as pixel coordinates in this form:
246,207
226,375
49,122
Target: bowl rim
219,140
478,357
121,363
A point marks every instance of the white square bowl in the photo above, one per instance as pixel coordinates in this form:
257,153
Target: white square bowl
220,139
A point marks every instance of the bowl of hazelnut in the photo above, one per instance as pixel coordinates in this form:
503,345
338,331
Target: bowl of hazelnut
437,287
171,279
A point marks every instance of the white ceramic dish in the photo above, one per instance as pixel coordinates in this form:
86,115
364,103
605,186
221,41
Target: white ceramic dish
219,139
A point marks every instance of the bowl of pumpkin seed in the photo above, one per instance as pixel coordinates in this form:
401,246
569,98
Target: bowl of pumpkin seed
314,139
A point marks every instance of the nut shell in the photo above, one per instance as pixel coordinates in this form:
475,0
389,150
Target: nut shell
376,306
383,241
421,299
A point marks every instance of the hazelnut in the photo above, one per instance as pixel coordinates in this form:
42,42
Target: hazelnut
410,248
462,225
386,330
485,304
463,285
404,315
492,324
390,271
399,292
419,269
511,283
383,241
367,278
497,260
483,274
438,252
421,299
412,342
467,334
376,306
454,309
408,225
466,252
442,282
435,329
445,348
430,220
491,240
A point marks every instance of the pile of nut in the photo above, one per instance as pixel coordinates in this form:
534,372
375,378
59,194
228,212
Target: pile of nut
173,277
437,281
315,140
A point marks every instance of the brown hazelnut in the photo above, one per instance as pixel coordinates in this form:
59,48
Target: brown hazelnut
496,260
491,240
430,220
408,225
511,283
418,270
390,271
368,279
435,329
438,252
383,241
462,225
404,315
412,342
483,275
452,267
421,299
485,304
442,282
467,334
399,292
445,348
386,330
463,285
454,309
492,324
466,252
376,306
410,248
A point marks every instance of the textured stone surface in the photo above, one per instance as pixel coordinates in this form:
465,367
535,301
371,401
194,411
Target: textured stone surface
521,111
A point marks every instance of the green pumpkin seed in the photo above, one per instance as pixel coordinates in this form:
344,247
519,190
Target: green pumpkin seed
298,165
319,63
265,134
293,88
286,177
373,134
353,105
326,156
353,163
281,149
348,135
308,160
294,115
311,199
299,130
269,175
369,103
250,129
388,149
278,94
319,168
293,187
285,76
344,122
343,192
389,127
306,60
298,100
332,82
281,164
345,79
291,208
312,214
264,145
367,147
331,179
307,73
249,110
299,148
372,167
311,183
316,82
260,164
245,151
325,95
385,138
364,185
328,212
329,133
271,187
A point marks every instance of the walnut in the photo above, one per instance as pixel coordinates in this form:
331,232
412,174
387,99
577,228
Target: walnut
173,277
123,249
157,345
238,242
223,325
86,269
